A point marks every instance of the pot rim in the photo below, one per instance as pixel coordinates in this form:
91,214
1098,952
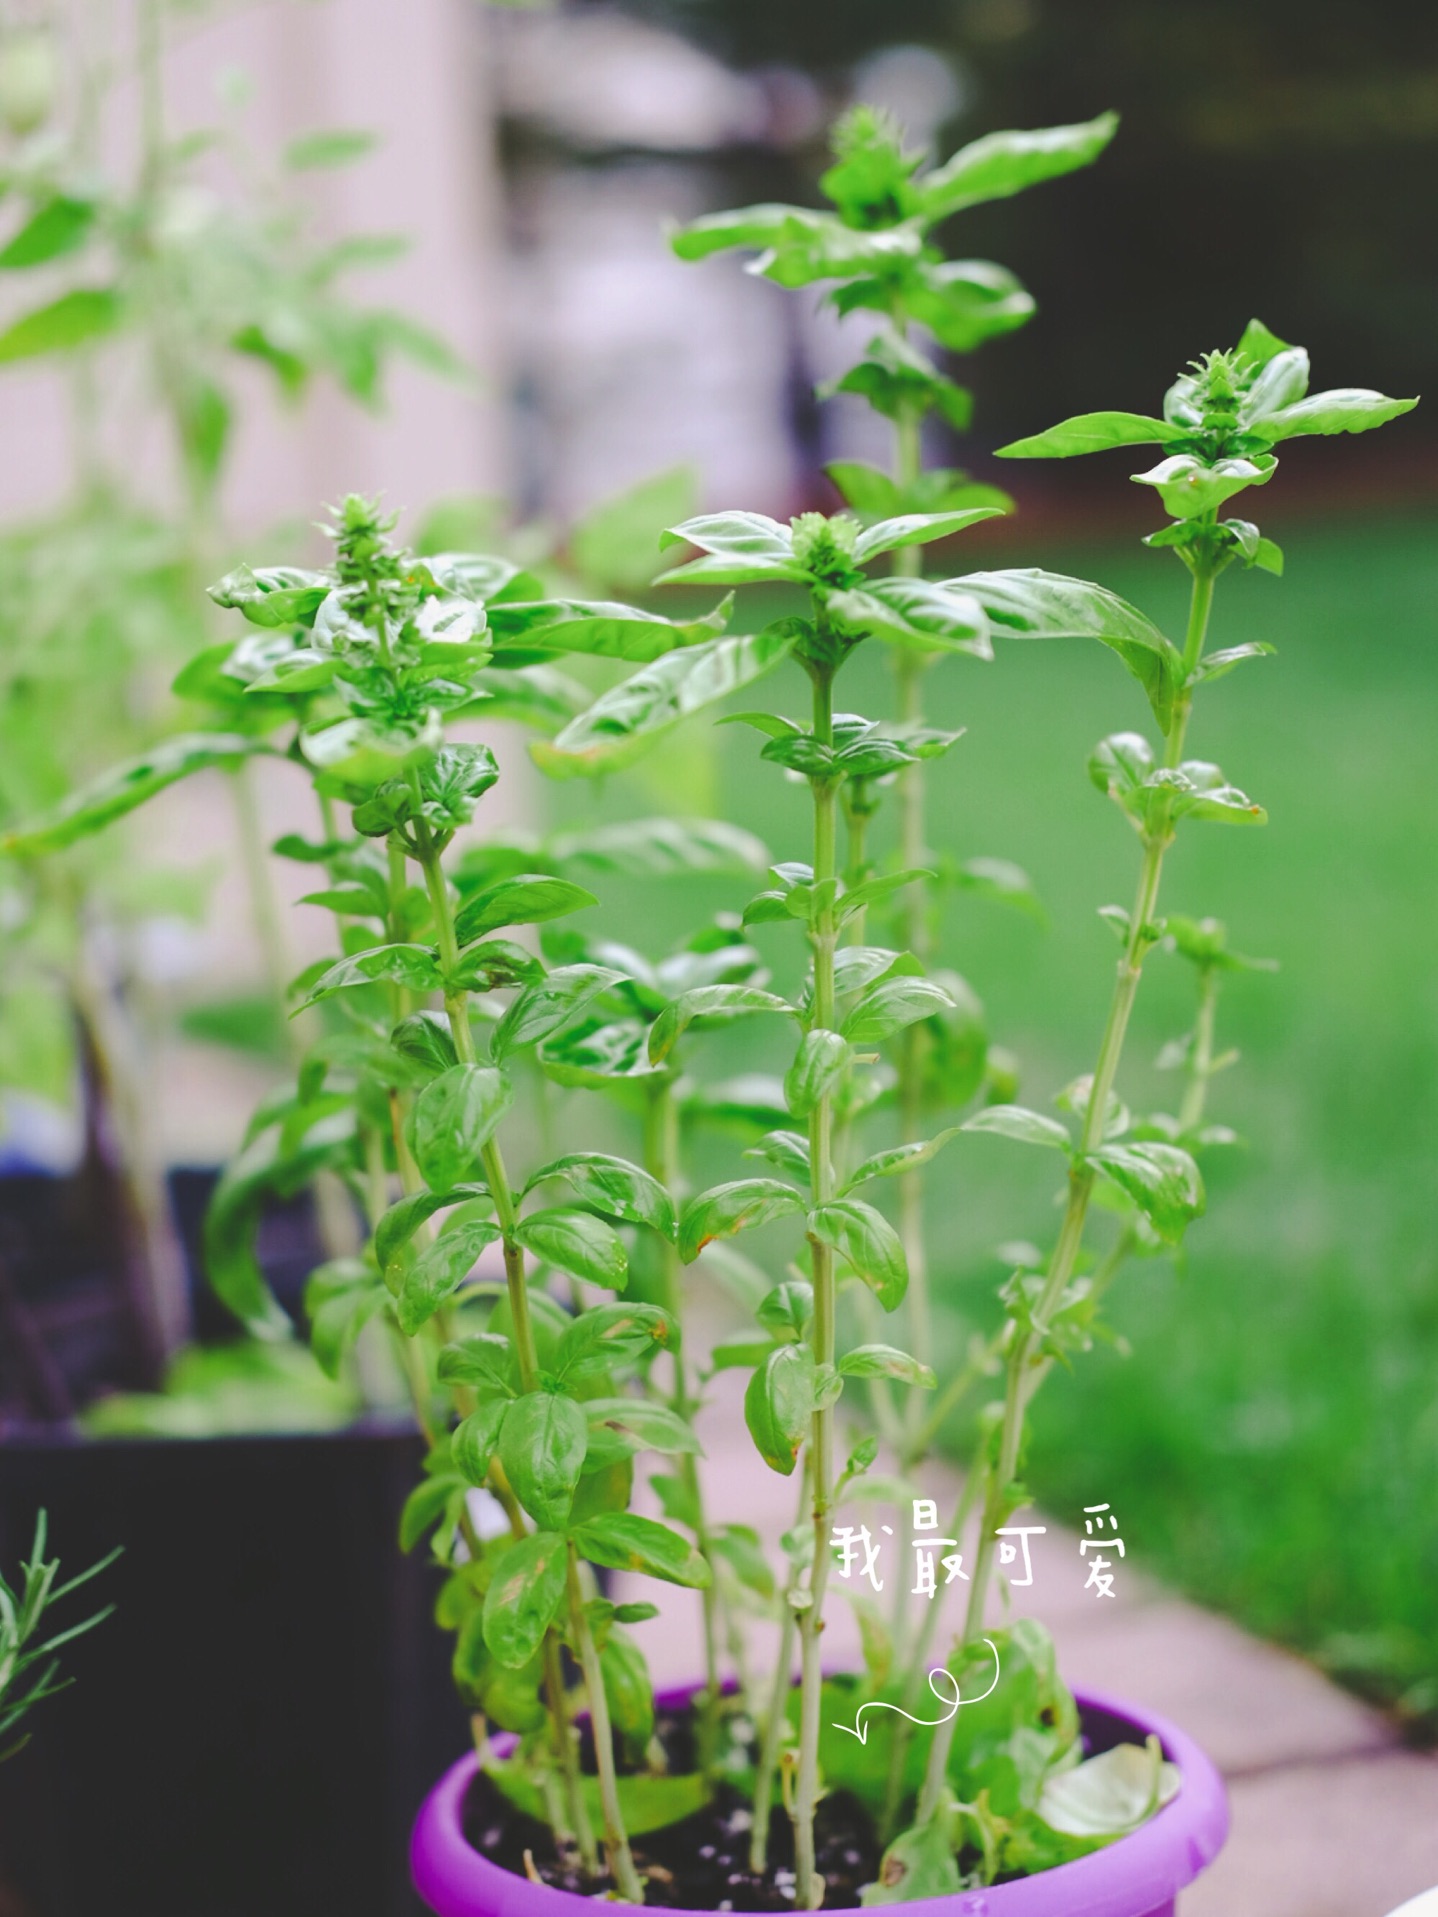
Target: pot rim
1138,1876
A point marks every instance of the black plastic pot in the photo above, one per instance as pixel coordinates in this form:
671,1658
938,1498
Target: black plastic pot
71,1327
254,1728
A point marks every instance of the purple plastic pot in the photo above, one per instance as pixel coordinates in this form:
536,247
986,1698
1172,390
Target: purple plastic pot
1139,1876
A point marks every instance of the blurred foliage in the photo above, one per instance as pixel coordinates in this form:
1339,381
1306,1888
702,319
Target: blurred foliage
228,1391
1270,161
155,285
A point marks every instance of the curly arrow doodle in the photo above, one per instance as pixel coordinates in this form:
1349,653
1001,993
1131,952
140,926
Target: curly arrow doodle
860,1729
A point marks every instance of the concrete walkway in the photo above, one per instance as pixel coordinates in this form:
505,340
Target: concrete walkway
1331,1816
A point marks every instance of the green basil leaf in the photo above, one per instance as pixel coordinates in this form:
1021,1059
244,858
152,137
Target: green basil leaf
1093,433
664,848
1016,1121
999,879
1108,1795
925,615
550,1004
868,489
818,1069
426,1505
609,1487
1190,487
963,302
347,901
271,1163
340,1299
413,966
779,1406
473,1441
1027,603
274,596
439,1271
629,1692
623,1427
875,891
1259,344
883,1361
897,379
738,548
626,721
366,749
757,226
726,1210
828,249
892,1004
625,1542
529,900
1000,164
707,1001
524,1597
1282,381
127,786
868,1241
487,1360
60,226
576,1242
913,529
453,1119
333,146
542,1447
490,965
426,1039
740,1549
616,540
614,1187
787,1311
75,319
603,630
900,1158
740,1356
1346,409
918,1866
403,1220
1162,1180
1200,791
786,1151
453,783
610,1332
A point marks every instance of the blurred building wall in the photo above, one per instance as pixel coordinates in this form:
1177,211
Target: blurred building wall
417,76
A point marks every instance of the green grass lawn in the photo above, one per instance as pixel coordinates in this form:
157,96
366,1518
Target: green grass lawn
1272,1443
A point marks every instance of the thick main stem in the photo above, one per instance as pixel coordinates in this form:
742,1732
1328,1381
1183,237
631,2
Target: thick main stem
616,1843
776,1716
506,1212
809,1888
1024,1373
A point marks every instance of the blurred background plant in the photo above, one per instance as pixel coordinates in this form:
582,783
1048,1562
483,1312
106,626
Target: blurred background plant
152,270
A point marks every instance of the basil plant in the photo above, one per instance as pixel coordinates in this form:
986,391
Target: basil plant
876,250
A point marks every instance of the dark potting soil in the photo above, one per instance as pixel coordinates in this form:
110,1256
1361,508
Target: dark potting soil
699,1863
